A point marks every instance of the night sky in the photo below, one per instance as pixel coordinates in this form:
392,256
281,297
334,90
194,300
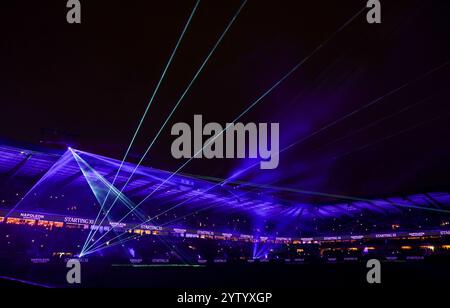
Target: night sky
87,85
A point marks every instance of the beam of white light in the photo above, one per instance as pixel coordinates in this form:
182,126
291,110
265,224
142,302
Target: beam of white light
111,187
180,100
62,161
183,95
172,56
301,192
105,182
217,203
102,246
225,181
294,69
80,162
314,193
110,245
375,101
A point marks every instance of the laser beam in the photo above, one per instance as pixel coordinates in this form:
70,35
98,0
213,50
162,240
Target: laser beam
148,107
53,169
202,66
294,69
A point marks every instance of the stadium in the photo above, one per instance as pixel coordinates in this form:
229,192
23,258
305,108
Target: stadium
50,201
339,155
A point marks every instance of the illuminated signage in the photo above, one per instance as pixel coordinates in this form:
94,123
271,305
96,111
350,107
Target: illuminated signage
220,261
357,237
136,261
190,235
350,259
307,239
160,260
332,238
179,230
205,232
283,239
391,258
386,235
150,227
40,260
417,234
80,221
31,216
415,258
244,236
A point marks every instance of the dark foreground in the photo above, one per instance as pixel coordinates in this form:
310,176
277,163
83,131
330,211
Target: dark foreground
428,273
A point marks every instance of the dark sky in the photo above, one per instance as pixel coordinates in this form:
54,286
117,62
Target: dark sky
90,84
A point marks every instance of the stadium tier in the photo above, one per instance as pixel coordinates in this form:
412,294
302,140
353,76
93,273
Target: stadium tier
68,204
